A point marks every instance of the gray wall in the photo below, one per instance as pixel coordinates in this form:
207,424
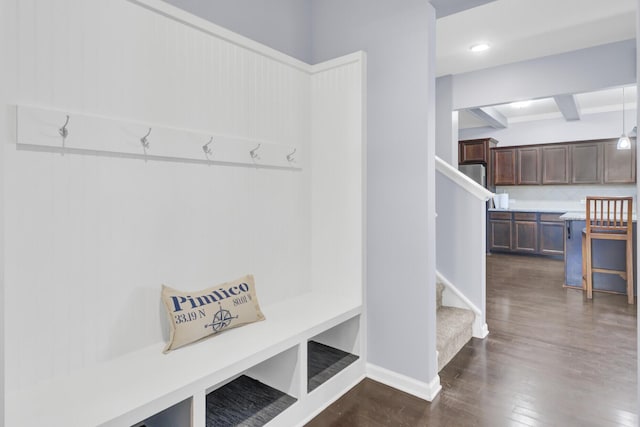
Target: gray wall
582,70
638,192
281,24
446,124
397,37
9,79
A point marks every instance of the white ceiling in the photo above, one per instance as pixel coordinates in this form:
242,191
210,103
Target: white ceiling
519,30
524,29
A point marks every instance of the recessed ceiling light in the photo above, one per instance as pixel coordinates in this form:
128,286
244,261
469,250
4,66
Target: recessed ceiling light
480,47
520,104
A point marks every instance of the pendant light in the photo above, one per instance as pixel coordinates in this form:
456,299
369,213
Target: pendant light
624,143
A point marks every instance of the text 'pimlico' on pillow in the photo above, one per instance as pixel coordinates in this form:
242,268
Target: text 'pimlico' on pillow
196,315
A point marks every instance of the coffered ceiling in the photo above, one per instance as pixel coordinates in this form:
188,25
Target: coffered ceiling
547,108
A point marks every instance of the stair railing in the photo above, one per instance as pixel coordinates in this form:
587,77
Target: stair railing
462,180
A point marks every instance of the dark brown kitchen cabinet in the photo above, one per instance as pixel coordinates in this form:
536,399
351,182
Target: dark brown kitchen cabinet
504,166
475,151
586,163
528,165
532,233
525,232
555,164
578,162
500,231
619,165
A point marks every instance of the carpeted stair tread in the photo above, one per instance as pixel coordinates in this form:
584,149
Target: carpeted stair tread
454,330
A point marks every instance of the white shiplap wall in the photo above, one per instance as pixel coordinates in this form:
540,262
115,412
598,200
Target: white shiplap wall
337,162
89,238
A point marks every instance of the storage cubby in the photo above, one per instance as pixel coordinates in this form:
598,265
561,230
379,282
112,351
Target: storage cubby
258,395
179,415
332,351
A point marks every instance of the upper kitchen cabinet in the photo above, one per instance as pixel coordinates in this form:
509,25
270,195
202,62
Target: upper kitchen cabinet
619,165
555,164
528,168
586,163
504,166
475,151
578,162
516,165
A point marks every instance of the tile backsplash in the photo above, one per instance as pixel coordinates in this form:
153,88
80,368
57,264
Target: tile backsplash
564,197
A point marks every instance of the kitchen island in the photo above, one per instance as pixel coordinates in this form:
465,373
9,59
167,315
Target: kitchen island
608,254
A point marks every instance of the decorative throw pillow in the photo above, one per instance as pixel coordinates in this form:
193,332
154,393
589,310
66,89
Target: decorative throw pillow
195,315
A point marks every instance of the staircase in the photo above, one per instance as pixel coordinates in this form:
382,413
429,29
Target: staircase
454,329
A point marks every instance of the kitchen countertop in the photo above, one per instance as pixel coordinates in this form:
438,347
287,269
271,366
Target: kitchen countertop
572,211
574,216
520,205
544,210
580,216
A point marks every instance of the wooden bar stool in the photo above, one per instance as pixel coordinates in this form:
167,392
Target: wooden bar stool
608,218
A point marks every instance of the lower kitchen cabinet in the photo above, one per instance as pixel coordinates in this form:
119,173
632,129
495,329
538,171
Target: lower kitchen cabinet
551,234
534,233
525,232
500,231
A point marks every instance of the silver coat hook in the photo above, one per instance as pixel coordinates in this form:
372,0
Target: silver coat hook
254,154
63,131
207,150
144,141
290,157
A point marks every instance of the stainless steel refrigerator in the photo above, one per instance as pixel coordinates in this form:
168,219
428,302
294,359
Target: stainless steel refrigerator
476,172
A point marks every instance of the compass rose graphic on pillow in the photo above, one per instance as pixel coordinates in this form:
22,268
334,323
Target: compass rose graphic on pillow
221,319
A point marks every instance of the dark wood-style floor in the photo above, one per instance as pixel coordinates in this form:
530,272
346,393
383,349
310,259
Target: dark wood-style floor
552,358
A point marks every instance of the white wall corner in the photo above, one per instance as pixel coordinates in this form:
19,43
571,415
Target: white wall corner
453,297
427,391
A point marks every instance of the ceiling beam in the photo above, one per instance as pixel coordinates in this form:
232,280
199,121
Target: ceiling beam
449,7
490,116
568,107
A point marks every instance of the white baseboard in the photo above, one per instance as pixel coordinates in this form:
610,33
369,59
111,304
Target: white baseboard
332,400
480,330
427,391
